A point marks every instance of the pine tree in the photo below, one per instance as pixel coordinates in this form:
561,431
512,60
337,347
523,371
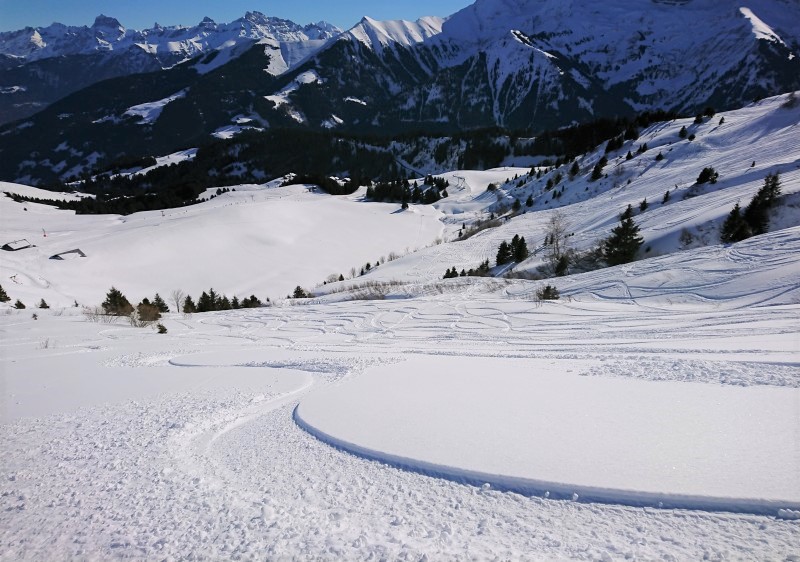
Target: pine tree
43,304
643,205
683,133
116,304
574,170
19,305
735,228
624,242
503,253
189,306
597,171
205,303
516,206
666,197
757,212
529,201
3,295
520,249
707,175
235,303
159,303
627,214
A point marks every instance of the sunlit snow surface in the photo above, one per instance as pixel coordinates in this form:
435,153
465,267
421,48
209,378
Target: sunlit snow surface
122,443
431,421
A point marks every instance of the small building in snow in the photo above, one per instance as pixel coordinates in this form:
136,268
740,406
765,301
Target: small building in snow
76,253
16,245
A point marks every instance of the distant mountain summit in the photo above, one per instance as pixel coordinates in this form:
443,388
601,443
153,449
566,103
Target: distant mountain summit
526,65
542,63
40,65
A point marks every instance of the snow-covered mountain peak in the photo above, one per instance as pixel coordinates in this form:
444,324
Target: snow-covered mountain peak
378,34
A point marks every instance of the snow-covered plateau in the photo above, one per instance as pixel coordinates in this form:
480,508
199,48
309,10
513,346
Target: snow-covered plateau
652,412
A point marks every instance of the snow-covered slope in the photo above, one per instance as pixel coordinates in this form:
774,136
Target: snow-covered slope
503,426
378,34
743,146
248,241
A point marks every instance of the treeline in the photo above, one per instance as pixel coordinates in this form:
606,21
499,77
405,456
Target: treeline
579,139
405,192
210,301
328,184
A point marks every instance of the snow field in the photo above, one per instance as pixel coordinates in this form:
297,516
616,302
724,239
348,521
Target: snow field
244,242
184,445
539,427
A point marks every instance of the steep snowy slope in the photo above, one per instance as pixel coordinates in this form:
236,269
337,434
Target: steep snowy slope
743,146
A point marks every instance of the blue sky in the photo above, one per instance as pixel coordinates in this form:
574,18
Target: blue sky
138,14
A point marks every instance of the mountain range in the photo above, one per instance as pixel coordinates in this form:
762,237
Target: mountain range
525,65
41,65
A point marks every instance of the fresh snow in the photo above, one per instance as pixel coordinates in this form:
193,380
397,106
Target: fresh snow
760,29
539,426
651,413
255,237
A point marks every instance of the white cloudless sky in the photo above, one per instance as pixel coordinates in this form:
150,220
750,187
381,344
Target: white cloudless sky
16,14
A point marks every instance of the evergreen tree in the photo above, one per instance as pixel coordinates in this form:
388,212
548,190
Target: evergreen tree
548,293
659,157
597,171
189,306
735,227
205,303
19,305
561,266
516,206
757,212
666,197
707,175
3,295
624,242
683,133
529,201
224,303
627,214
520,250
116,304
300,293
235,303
504,253
574,170
643,205
159,303
43,304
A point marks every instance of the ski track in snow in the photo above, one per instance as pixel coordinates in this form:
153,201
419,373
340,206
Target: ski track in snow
222,471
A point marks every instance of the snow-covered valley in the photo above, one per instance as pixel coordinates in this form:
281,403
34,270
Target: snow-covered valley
652,412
